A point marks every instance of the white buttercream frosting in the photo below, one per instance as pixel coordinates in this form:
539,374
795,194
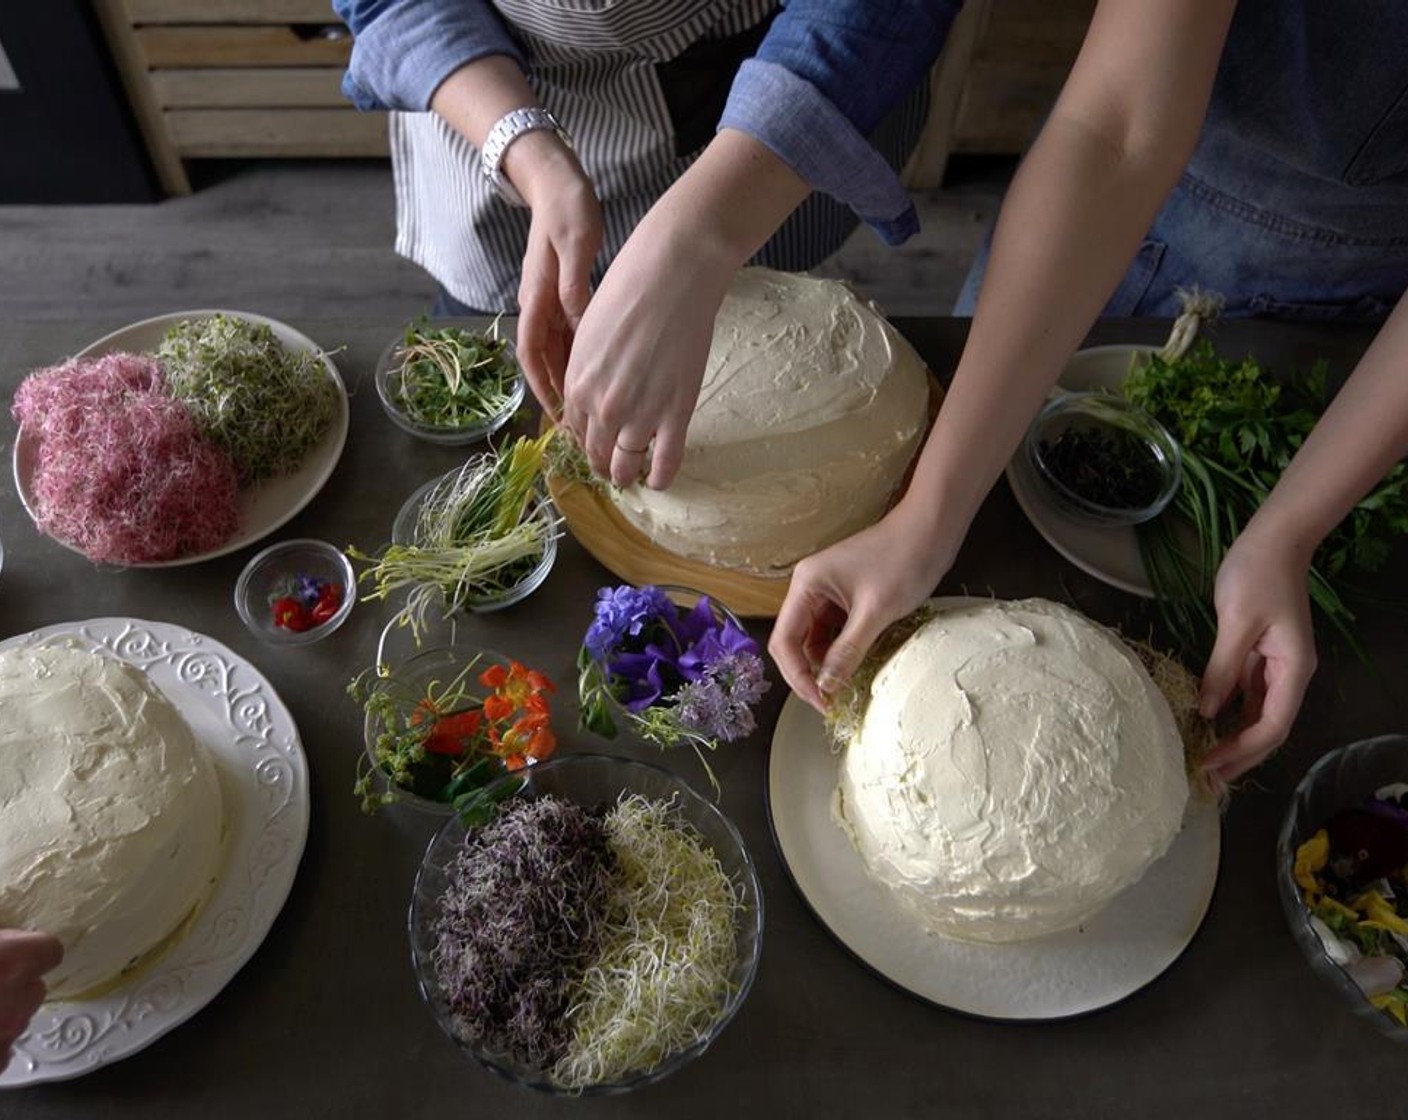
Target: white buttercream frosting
811,408
110,811
1015,769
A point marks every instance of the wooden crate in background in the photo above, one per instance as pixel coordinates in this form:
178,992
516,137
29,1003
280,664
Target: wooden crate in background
237,78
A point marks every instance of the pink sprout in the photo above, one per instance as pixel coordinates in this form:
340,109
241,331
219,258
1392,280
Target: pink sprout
121,470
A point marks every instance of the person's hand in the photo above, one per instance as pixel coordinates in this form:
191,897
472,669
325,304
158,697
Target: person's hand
564,237
24,958
1265,650
638,360
842,598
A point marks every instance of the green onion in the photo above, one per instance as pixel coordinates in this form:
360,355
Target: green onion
477,535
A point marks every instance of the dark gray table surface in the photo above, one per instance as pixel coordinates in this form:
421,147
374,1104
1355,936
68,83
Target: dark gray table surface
325,1019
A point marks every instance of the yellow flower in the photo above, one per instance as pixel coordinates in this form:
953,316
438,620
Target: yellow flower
1378,913
1312,856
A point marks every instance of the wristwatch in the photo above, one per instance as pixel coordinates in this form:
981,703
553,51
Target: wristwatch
506,130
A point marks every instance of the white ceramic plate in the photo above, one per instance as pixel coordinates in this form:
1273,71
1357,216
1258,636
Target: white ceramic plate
235,712
1111,553
1123,948
263,508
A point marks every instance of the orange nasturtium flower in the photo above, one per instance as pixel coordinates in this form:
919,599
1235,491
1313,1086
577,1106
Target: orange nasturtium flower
515,688
528,737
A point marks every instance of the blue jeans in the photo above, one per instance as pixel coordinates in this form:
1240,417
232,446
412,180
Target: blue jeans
1263,264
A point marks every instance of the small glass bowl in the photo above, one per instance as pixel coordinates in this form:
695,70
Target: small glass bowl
1342,779
418,672
595,782
270,572
403,531
470,432
1105,414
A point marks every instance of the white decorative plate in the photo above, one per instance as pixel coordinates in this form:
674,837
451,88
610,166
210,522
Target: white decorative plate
1109,553
263,508
1123,948
235,712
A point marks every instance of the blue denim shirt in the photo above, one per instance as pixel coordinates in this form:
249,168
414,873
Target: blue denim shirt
825,74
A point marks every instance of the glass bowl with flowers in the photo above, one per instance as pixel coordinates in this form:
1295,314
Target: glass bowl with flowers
676,666
445,724
1342,859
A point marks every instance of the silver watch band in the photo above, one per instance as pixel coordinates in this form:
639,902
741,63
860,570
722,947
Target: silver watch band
506,130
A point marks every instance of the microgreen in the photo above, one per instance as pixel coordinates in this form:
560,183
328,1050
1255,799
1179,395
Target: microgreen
265,404
449,377
477,534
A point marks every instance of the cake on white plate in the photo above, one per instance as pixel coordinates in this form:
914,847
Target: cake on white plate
1014,770
811,408
110,812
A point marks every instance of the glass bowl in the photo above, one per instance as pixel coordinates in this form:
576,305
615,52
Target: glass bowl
594,782
407,529
294,569
1342,779
389,385
1103,460
408,682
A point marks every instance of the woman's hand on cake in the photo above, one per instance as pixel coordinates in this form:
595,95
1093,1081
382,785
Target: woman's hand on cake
637,362
843,597
1265,650
564,238
24,959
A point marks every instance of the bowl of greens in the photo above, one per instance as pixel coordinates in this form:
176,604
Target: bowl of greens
594,932
1342,874
1103,460
450,383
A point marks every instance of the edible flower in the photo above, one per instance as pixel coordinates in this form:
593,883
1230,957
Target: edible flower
678,676
447,741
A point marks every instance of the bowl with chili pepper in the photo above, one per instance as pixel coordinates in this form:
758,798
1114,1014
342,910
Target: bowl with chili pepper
448,722
296,592
1103,460
450,383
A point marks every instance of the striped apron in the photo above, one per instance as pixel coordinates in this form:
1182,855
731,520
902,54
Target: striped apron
603,68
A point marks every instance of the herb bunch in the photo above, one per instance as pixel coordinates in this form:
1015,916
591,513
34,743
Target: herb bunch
449,377
265,404
1238,430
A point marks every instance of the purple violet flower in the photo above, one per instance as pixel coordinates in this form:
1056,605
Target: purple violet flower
623,612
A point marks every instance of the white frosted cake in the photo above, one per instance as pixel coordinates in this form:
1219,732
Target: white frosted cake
811,408
1014,771
110,812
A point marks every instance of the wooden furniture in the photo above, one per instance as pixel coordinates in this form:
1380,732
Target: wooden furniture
237,78
242,78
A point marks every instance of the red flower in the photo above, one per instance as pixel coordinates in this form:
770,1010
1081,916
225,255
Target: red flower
455,734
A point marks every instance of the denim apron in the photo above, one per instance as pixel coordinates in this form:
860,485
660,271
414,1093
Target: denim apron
1295,203
640,85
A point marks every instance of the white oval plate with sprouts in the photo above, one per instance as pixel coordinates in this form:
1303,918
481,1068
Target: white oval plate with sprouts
1126,946
263,772
262,508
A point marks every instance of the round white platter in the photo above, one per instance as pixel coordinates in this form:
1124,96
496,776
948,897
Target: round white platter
263,508
1124,947
236,713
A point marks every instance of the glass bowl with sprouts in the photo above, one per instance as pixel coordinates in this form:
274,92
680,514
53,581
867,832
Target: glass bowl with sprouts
450,383
480,537
627,923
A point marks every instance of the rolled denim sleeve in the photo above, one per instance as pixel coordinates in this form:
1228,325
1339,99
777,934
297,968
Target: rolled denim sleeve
824,76
403,49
